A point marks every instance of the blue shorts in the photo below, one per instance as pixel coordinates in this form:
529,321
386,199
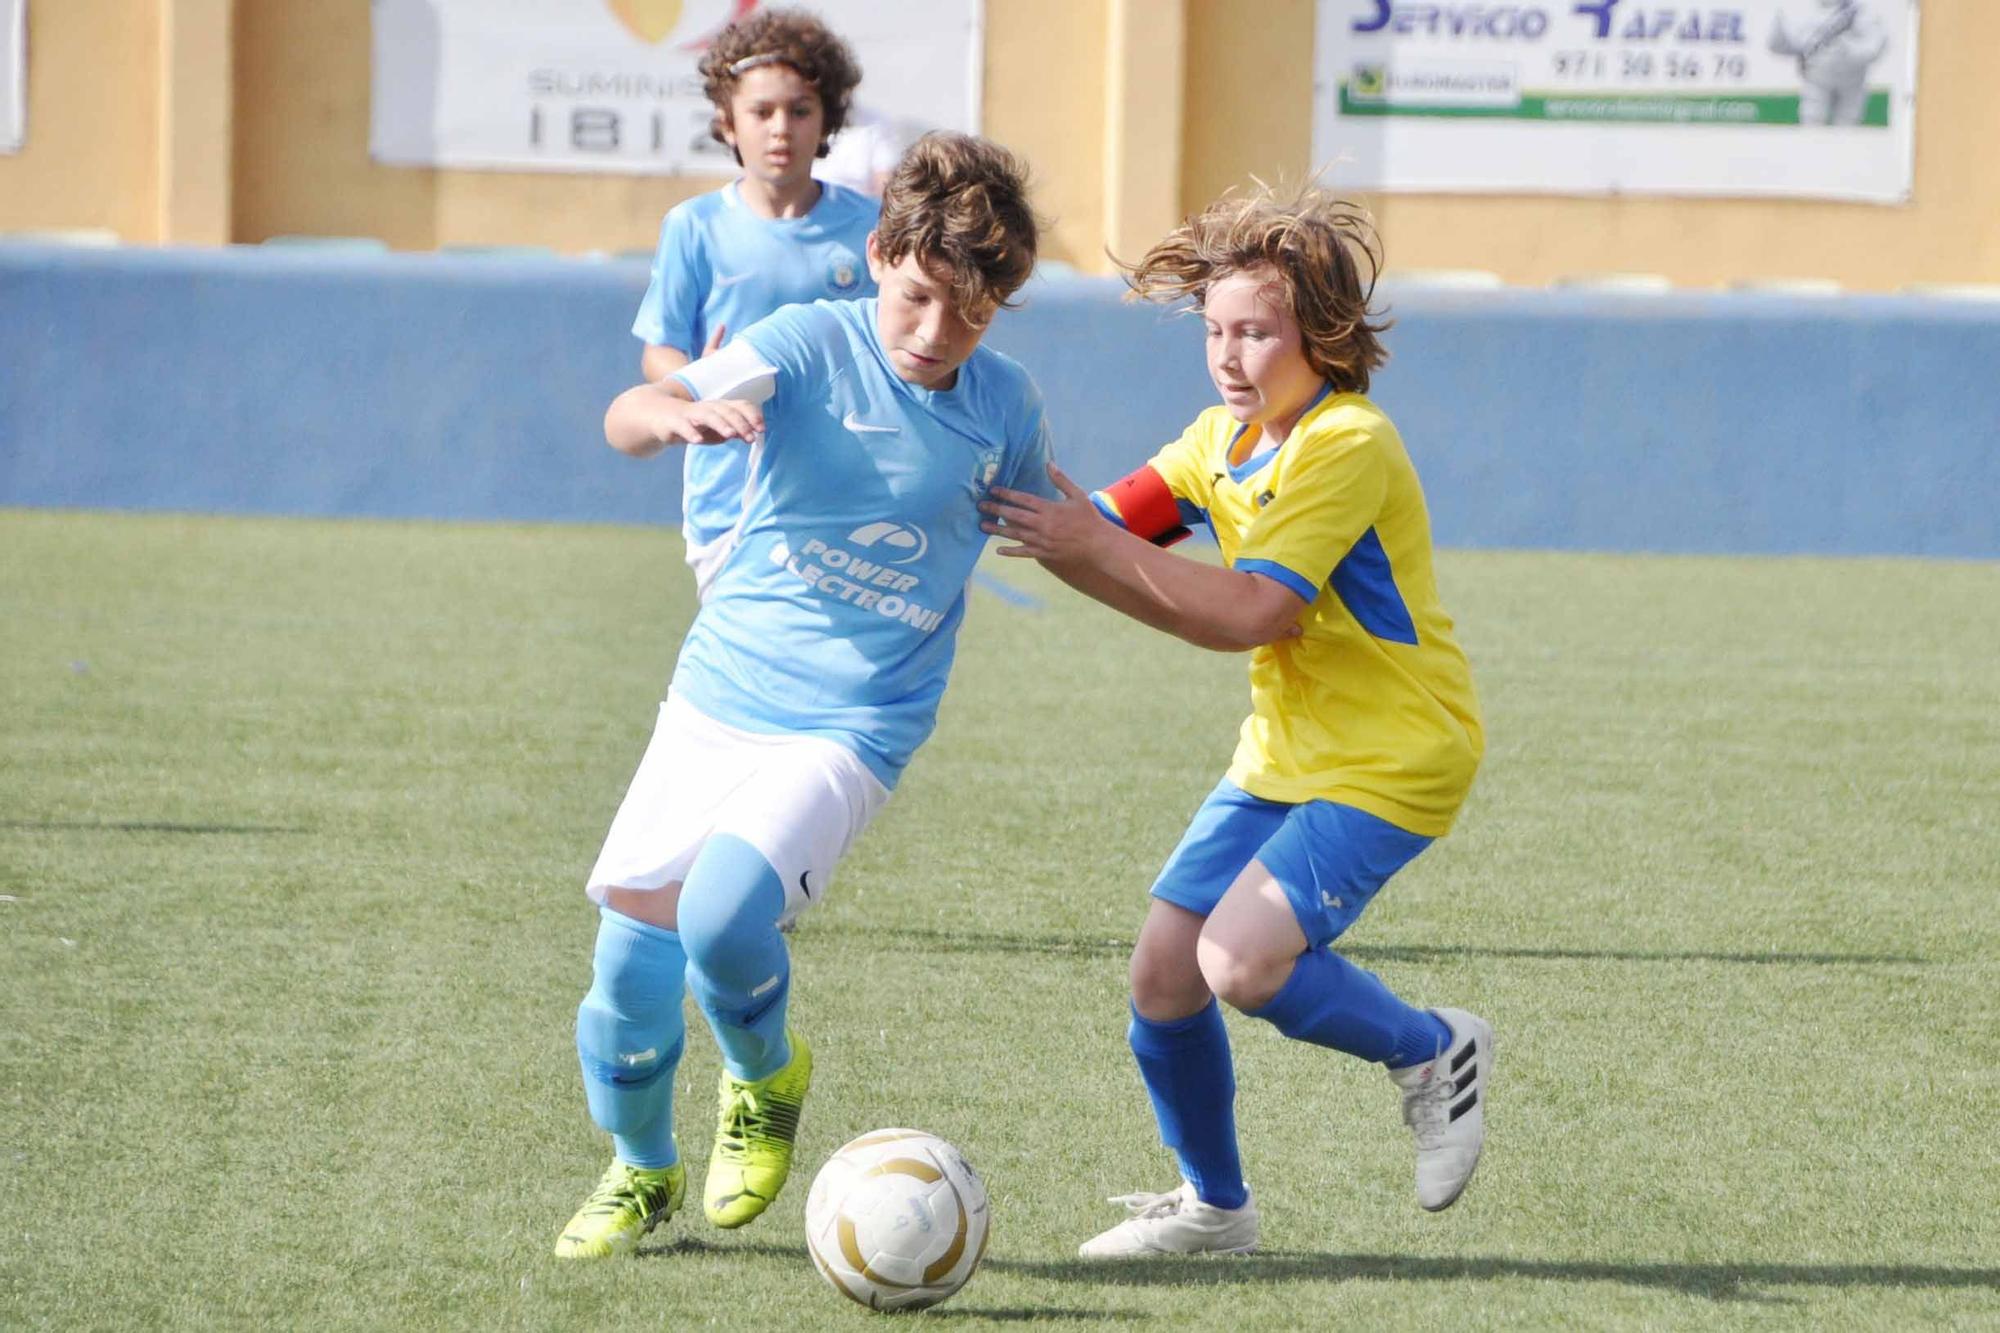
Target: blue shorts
1330,859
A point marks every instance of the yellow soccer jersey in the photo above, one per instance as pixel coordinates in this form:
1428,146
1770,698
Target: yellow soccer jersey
1373,706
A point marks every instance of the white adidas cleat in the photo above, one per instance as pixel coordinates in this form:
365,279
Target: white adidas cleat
1444,1104
1175,1223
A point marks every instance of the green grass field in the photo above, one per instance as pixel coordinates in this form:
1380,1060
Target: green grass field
293,819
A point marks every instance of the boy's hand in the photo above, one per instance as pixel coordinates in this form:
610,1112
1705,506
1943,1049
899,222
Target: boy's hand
1059,531
676,421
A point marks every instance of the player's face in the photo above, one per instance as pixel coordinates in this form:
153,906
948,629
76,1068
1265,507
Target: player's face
1255,355
775,121
927,339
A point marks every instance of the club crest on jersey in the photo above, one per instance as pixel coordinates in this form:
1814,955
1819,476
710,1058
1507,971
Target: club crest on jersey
988,466
844,277
1264,498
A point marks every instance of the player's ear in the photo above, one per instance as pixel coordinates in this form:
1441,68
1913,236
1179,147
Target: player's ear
878,268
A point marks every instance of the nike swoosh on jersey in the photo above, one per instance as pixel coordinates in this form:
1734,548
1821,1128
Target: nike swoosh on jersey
861,427
730,279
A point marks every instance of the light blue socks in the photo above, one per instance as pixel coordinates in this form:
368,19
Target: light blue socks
629,1037
738,967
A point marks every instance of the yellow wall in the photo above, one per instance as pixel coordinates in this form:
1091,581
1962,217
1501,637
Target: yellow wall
1949,233
93,149
204,120
1045,91
302,164
196,100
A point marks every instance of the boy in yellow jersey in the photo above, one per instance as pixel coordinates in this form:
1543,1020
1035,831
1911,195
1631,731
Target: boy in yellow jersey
1364,730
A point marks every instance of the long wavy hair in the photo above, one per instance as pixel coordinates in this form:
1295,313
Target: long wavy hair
1320,250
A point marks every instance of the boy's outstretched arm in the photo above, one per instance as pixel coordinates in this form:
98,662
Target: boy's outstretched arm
645,419
1209,606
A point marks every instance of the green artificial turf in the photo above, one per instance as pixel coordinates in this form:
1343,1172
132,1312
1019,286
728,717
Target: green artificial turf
294,815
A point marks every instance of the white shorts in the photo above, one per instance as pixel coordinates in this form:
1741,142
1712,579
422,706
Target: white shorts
799,800
706,559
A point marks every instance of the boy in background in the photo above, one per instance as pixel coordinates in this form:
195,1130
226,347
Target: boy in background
782,86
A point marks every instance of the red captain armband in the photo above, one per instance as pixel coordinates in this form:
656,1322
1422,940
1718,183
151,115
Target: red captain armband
1143,504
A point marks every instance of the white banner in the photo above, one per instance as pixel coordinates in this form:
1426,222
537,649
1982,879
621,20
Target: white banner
13,75
611,85
1808,98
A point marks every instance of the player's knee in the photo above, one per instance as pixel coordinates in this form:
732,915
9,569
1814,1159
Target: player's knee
1166,986
1240,978
731,892
624,1050
629,1029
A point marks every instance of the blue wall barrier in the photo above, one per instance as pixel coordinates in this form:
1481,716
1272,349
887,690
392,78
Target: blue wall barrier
302,382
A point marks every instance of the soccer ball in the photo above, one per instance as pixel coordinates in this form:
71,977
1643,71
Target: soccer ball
896,1220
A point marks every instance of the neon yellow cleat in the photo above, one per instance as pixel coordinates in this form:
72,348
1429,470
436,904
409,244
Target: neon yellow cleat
627,1203
754,1132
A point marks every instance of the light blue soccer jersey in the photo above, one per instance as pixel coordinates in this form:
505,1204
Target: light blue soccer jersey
839,613
719,264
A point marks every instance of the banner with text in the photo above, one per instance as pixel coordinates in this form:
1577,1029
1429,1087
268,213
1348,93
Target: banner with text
13,75
612,85
1807,98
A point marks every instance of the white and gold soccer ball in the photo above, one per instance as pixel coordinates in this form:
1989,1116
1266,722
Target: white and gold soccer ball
896,1220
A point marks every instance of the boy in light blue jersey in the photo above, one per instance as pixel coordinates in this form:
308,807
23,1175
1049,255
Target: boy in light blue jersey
812,671
782,85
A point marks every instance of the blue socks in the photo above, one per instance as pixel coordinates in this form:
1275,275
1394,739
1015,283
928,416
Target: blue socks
629,1037
1185,1063
738,967
1328,1001
1188,1074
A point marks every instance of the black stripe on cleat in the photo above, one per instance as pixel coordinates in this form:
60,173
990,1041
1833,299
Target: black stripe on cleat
1470,1100
1471,1049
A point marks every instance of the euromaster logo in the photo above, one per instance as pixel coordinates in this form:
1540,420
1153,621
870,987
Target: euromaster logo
653,21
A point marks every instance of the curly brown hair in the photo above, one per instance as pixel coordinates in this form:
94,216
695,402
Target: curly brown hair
1320,250
960,203
782,37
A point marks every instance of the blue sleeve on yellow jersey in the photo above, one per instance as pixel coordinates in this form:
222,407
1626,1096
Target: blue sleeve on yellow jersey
1277,573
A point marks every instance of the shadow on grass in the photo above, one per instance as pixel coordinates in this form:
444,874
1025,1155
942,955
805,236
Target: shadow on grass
1722,1282
972,941
1718,1282
1023,1314
796,1254
696,1245
108,826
